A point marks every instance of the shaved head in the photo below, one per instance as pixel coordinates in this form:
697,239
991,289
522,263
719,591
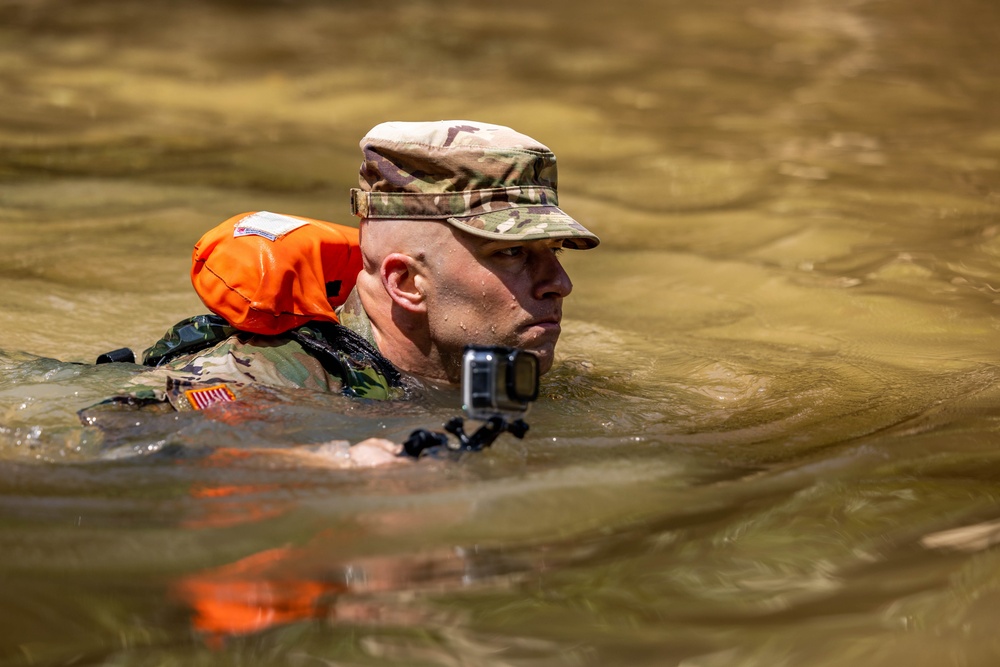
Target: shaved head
383,237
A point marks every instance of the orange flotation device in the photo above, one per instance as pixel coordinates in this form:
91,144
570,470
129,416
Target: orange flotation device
268,273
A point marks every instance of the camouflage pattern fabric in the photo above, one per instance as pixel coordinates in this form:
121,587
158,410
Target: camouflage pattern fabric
191,335
238,361
362,370
487,180
203,352
353,316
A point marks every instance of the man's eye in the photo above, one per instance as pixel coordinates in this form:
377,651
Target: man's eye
513,251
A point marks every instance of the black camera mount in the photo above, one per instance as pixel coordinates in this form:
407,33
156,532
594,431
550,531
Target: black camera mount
422,439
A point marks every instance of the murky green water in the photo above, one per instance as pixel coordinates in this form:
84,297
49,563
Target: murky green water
771,437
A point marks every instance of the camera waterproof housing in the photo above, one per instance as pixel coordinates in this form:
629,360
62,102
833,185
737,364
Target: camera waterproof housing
498,381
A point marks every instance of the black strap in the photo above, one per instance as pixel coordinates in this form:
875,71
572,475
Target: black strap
334,340
122,354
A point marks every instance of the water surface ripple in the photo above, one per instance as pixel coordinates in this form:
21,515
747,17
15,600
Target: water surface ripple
770,435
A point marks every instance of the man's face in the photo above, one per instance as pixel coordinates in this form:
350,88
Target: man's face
486,292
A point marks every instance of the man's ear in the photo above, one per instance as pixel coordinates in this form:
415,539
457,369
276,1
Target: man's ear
403,280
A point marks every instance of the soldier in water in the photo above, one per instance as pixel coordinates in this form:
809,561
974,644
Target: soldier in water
459,242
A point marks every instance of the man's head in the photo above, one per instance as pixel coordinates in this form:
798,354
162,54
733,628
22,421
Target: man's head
460,233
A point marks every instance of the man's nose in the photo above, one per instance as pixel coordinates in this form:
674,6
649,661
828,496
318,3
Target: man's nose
551,279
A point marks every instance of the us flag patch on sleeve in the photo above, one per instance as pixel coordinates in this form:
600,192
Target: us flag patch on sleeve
206,396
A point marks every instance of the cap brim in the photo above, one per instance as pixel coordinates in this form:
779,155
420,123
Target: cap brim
528,223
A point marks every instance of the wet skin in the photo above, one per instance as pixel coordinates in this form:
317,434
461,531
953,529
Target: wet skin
496,293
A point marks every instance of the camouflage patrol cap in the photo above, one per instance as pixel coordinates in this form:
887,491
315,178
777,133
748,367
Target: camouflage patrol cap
487,180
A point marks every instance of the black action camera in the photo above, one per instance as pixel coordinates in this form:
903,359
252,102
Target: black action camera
498,380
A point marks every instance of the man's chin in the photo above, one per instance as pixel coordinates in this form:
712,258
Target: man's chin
545,363
545,352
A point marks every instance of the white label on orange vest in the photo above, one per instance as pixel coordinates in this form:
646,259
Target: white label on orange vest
272,226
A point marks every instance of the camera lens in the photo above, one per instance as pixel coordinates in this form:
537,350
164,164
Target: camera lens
522,376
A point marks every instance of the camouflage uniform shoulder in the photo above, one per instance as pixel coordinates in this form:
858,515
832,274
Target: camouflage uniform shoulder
192,345
361,368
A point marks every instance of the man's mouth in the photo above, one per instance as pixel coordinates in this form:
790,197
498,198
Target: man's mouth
551,323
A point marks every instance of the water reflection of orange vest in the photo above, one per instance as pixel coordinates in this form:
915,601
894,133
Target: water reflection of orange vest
268,273
258,591
288,584
240,598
